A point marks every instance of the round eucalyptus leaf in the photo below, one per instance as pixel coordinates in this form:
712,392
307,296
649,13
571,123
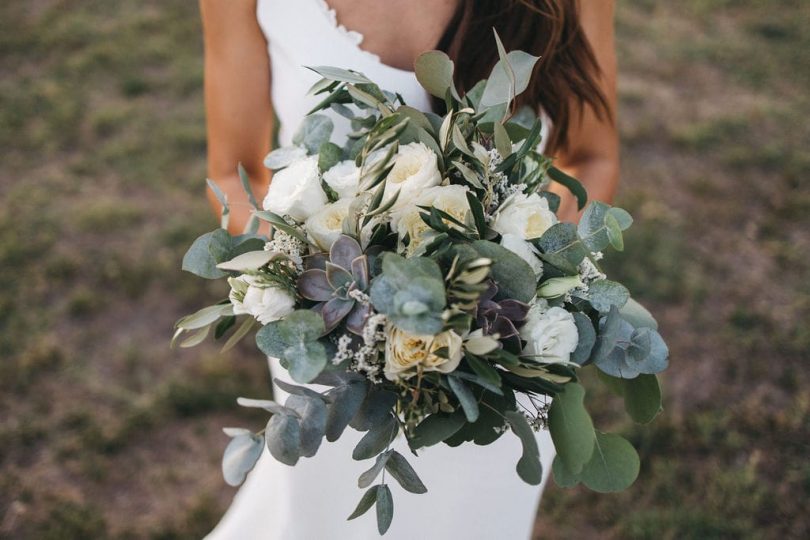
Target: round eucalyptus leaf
314,131
345,402
312,412
642,398
284,156
562,476
306,359
283,436
434,71
614,465
605,293
587,338
240,456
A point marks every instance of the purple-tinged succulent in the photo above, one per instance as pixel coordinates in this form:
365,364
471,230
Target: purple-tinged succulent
501,317
338,284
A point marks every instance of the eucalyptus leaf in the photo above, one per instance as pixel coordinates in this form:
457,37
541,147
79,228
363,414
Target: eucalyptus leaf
345,403
604,293
403,473
465,396
573,185
312,414
368,477
642,398
283,436
315,130
329,155
637,315
561,239
206,252
284,156
571,427
592,228
614,465
240,457
562,476
434,71
513,275
436,428
500,87
366,502
375,408
385,509
528,467
587,338
376,439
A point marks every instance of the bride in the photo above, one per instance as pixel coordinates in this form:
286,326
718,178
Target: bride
255,85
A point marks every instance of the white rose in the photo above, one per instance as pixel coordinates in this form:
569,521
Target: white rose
551,336
414,171
264,301
525,216
343,178
525,250
326,226
296,190
405,353
407,220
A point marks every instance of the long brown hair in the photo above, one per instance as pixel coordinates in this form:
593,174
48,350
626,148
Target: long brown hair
567,73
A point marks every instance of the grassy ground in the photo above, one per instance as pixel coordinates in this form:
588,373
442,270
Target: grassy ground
106,433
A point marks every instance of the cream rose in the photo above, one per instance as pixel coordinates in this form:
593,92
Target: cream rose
343,178
406,353
414,171
551,335
264,301
525,216
326,226
407,220
296,190
525,250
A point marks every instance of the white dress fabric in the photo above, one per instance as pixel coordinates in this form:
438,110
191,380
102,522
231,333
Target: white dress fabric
474,491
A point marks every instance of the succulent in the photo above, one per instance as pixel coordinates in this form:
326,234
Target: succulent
338,283
500,317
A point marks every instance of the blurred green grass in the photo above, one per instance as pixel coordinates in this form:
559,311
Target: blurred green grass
106,433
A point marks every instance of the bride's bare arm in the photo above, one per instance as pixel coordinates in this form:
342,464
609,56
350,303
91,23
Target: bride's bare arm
237,102
593,153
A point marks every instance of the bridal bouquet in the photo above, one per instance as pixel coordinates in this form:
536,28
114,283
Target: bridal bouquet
418,273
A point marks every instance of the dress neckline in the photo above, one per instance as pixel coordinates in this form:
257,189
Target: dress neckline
355,38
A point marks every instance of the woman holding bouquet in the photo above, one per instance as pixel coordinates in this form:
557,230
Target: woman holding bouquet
255,52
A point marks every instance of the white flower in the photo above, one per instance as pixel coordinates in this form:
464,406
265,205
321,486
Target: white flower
407,220
414,171
525,216
250,295
551,336
525,250
406,353
296,190
343,178
326,226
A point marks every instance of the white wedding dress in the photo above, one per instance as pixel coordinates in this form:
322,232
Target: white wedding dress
473,491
